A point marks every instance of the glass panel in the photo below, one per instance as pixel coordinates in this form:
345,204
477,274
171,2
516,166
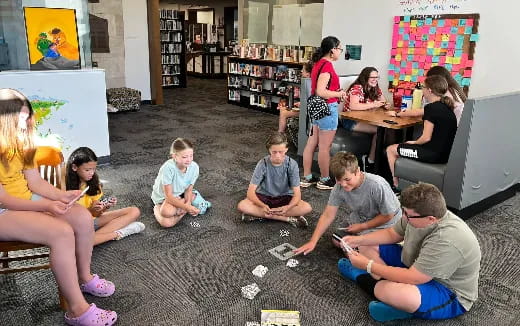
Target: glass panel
283,22
13,39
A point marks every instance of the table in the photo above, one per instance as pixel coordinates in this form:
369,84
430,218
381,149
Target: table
376,117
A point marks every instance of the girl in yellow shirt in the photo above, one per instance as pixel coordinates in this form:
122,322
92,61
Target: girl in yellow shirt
31,210
108,225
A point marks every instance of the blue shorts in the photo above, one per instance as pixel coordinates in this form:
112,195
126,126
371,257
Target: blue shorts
329,122
347,124
34,197
437,301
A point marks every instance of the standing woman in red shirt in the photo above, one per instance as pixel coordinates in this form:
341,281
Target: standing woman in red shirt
324,83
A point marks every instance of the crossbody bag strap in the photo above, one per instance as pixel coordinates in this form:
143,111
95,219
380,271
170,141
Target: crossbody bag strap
318,76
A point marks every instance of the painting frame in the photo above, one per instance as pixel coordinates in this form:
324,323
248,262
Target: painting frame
52,38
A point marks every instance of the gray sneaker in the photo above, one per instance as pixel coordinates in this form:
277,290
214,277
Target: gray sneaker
327,185
132,228
250,218
305,182
298,221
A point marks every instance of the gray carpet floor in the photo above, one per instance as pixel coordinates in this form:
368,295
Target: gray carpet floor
190,275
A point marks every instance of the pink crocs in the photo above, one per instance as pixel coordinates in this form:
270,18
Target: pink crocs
98,287
94,316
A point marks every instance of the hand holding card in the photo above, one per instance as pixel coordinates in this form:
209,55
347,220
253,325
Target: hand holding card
78,197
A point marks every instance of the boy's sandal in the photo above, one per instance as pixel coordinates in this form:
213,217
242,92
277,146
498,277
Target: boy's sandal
98,287
94,316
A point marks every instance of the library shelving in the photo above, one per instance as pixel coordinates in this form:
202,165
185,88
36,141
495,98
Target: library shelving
173,48
262,84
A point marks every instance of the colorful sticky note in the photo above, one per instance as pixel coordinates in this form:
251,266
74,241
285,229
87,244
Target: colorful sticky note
406,19
414,78
442,60
444,45
428,21
468,30
425,37
421,66
449,60
421,72
401,30
433,30
401,77
474,37
454,30
401,24
440,22
438,37
395,82
407,78
429,51
451,45
436,51
390,77
391,67
399,44
467,73
430,44
406,37
397,19
411,44
415,65
469,22
465,81
445,37
393,52
420,22
462,22
458,53
415,71
410,57
411,50
413,23
456,61
447,66
398,57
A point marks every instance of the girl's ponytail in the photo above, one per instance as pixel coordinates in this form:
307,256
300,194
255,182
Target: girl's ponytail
448,101
317,55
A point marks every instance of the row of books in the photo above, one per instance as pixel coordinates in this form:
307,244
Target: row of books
170,25
171,70
258,85
280,72
173,59
274,53
169,36
171,48
169,14
170,80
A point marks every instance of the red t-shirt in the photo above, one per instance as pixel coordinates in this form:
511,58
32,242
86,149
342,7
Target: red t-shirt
334,79
357,90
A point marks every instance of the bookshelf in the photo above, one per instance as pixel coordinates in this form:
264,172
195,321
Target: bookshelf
173,48
262,84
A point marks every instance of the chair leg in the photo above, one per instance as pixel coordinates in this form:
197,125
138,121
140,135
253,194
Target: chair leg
63,302
5,263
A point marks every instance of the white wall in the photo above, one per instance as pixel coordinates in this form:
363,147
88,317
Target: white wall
369,23
137,66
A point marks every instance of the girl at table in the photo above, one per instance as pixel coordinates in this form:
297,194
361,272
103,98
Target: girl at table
31,210
440,126
324,83
454,91
364,94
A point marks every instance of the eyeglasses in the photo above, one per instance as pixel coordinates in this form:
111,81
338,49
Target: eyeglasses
415,216
375,77
340,49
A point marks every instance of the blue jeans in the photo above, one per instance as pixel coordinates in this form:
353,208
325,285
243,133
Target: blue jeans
437,301
329,122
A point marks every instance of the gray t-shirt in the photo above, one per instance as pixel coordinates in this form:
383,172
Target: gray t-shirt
373,197
447,251
274,180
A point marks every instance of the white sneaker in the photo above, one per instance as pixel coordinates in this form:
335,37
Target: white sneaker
132,228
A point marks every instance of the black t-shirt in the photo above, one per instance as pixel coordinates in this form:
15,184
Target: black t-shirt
444,128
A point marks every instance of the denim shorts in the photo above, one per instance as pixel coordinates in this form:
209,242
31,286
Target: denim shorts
437,301
329,122
347,124
34,197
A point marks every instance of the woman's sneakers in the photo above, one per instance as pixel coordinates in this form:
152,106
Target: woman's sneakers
308,181
326,183
132,228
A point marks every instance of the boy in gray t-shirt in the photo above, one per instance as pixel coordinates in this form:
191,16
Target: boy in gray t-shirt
274,192
372,201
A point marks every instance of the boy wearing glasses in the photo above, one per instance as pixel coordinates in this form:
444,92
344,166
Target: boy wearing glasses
372,202
434,275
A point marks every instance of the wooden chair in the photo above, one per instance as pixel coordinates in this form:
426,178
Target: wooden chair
51,166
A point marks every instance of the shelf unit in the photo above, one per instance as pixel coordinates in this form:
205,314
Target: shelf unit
262,84
173,48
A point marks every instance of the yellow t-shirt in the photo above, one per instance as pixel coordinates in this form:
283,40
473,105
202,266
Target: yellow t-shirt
12,178
86,201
